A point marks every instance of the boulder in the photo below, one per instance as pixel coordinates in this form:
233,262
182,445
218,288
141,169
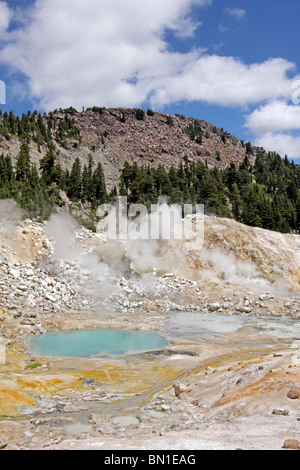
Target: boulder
179,389
280,412
293,394
214,306
291,444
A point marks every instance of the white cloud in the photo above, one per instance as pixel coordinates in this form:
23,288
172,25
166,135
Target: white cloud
85,53
282,143
276,127
114,53
5,17
224,81
238,13
277,116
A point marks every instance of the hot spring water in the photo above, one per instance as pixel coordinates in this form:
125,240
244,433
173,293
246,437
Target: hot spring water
89,343
190,325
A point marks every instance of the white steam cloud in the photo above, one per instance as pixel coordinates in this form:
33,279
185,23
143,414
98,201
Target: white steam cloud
10,215
227,267
146,259
98,267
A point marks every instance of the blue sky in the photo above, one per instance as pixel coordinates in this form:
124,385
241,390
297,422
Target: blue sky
233,63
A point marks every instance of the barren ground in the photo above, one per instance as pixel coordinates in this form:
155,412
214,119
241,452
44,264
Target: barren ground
229,377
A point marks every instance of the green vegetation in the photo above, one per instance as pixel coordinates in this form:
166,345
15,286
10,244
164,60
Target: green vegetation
59,125
195,132
37,190
265,195
140,114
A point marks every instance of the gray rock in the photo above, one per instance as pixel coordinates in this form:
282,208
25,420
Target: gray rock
280,412
214,306
266,297
227,305
179,389
243,309
51,298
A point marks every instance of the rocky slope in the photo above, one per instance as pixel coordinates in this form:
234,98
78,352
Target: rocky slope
59,265
116,135
232,384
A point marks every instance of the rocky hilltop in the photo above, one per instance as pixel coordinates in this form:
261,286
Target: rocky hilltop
113,136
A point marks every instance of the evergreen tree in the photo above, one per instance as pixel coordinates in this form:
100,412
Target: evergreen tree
162,181
266,212
149,187
85,184
23,163
74,187
250,210
99,184
47,165
236,201
122,188
135,186
89,186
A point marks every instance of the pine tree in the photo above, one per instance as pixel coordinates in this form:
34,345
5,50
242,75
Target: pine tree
162,181
181,179
292,190
173,177
122,188
23,163
85,184
236,201
47,166
59,176
89,185
250,211
74,187
149,189
99,184
126,176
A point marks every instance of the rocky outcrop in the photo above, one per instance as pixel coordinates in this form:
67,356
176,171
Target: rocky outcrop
114,136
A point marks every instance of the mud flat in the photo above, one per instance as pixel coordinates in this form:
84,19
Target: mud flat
226,390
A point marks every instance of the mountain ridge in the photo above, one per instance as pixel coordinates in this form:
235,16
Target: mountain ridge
78,160
115,135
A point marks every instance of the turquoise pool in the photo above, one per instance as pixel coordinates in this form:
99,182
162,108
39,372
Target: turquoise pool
92,343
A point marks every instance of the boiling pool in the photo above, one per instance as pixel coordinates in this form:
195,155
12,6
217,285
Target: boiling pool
89,343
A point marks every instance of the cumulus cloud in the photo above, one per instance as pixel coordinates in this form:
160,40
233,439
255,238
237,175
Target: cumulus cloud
280,142
225,81
277,116
115,53
87,53
5,17
276,127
